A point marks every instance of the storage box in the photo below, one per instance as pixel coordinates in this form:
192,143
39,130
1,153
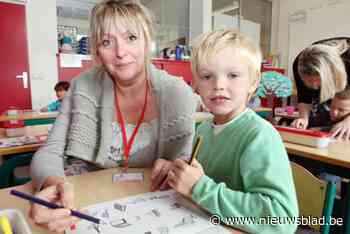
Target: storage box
17,221
14,128
311,138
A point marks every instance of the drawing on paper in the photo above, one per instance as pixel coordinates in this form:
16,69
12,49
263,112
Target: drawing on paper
163,212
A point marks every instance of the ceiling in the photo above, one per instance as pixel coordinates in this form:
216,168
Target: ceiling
78,9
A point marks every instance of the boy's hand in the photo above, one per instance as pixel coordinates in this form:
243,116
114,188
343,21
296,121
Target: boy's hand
301,123
182,177
159,173
341,130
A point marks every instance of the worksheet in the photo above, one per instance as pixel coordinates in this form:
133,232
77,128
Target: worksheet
163,212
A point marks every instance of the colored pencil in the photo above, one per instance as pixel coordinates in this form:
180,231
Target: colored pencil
53,205
195,149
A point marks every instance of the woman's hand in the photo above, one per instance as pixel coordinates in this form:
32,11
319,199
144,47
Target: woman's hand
341,130
300,123
159,174
182,177
56,220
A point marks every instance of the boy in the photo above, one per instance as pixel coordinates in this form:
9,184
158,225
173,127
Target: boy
340,110
61,88
246,172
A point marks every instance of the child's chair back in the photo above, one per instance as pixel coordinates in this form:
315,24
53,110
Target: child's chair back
315,197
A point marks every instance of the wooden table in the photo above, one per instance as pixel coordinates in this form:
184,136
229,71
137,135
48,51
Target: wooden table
334,159
89,188
41,115
337,153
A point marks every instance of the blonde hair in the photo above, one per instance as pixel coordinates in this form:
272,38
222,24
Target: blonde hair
324,61
208,44
341,45
126,12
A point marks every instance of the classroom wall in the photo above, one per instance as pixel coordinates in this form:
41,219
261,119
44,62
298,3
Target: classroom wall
259,12
200,17
43,46
172,20
292,32
249,28
175,15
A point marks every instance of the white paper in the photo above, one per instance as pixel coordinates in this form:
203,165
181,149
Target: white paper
163,212
127,176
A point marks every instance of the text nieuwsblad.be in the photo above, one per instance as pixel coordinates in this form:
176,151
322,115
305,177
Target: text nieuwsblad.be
270,220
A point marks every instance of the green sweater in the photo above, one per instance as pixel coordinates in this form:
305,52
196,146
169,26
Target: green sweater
247,174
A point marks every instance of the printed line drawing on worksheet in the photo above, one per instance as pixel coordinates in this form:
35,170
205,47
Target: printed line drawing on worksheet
164,212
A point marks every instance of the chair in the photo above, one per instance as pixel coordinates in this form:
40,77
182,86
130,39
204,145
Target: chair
7,176
315,197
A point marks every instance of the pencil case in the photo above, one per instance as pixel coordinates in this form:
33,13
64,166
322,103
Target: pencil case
17,221
313,138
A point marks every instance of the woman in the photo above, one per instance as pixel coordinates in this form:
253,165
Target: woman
320,71
123,112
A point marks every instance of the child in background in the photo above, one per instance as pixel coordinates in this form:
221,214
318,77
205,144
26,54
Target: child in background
340,109
242,169
61,88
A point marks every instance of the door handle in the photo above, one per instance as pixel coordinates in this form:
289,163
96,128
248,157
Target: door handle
24,78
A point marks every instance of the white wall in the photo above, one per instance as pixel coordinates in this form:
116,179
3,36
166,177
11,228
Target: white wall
249,28
274,25
175,15
43,46
324,19
171,20
280,30
200,17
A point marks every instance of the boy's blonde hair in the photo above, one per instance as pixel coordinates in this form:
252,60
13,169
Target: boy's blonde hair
209,44
130,13
324,61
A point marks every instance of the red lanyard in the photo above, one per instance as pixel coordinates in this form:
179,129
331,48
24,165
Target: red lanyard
127,145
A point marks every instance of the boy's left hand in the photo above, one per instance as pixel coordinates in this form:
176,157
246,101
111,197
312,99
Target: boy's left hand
159,173
182,177
341,130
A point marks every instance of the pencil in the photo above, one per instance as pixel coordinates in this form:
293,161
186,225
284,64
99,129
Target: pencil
196,149
53,205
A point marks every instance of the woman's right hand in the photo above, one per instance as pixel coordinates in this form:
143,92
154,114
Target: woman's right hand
56,220
301,123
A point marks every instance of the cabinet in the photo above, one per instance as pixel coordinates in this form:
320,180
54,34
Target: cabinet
173,67
67,73
276,69
176,68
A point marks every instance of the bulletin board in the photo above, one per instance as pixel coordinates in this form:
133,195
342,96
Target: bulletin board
321,21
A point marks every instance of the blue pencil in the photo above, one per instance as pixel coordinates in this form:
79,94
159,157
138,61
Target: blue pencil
52,205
